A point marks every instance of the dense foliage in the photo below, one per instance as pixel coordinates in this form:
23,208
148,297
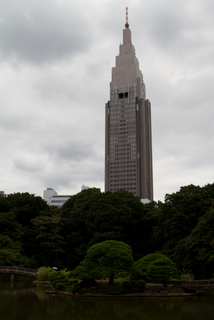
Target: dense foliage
143,263
33,234
107,258
91,217
161,270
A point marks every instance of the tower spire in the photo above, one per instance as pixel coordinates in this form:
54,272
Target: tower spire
127,24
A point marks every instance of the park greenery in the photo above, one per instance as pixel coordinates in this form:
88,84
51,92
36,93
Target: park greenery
33,234
105,260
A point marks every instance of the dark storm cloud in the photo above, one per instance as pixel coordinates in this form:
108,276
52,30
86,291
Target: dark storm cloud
38,36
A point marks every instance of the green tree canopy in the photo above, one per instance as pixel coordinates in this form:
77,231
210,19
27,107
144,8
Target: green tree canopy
17,211
48,240
91,217
200,246
9,226
162,270
144,262
26,207
106,258
179,215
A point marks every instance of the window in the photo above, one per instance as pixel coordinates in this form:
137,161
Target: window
123,95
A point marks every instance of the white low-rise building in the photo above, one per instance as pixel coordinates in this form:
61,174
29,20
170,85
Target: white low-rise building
53,199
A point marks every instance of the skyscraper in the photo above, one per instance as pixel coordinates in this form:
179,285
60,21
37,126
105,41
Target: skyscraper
128,139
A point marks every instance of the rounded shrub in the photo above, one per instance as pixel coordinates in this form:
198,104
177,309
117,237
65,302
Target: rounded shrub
144,262
59,280
162,271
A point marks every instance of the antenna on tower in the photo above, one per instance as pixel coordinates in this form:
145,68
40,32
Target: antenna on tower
127,24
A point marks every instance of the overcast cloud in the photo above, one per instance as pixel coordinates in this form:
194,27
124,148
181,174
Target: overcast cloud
55,68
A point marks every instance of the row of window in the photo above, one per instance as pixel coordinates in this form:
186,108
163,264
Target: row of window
126,166
129,136
122,158
116,150
127,189
117,180
122,151
116,132
118,143
123,176
117,122
123,122
118,127
119,171
122,111
128,154
122,184
125,114
121,105
118,146
120,132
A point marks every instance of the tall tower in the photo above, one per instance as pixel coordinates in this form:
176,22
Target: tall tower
128,139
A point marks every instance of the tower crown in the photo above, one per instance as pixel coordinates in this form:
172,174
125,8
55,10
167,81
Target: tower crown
127,24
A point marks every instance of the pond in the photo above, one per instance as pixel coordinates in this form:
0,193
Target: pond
24,301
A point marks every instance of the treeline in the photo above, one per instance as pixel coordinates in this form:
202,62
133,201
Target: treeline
33,234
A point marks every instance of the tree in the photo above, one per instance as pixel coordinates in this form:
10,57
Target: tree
26,207
179,215
10,227
10,257
162,270
106,258
144,262
200,246
91,217
23,207
9,251
48,238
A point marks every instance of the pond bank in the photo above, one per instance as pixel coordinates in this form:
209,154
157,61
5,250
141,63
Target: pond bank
146,294
152,290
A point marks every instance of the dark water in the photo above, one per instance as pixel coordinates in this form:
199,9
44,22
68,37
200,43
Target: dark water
26,302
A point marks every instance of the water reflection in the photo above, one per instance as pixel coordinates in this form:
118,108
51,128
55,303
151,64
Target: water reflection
32,303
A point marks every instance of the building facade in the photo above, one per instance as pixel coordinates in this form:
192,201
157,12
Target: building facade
53,199
128,138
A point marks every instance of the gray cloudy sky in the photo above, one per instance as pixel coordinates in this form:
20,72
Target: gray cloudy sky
55,68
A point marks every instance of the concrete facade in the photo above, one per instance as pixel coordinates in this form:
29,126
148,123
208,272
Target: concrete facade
53,199
128,138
